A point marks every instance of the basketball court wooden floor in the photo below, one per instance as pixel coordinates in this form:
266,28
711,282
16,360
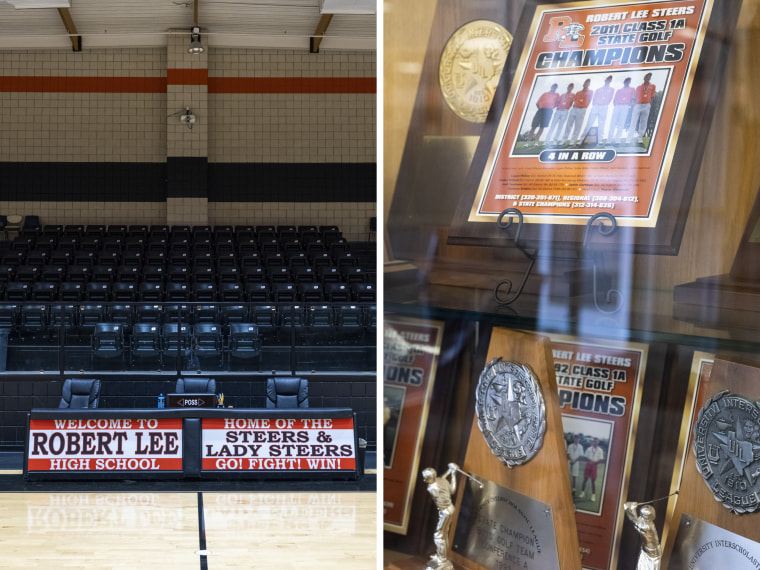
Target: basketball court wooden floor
214,525
189,530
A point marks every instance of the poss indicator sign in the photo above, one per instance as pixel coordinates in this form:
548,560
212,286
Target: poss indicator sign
191,400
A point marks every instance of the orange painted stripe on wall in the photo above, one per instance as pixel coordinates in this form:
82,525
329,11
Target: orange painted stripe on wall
222,85
39,84
187,76
218,85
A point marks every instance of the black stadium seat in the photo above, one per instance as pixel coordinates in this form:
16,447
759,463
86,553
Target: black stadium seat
178,291
230,292
124,292
89,316
150,292
257,292
175,341
146,342
108,340
28,273
124,314
364,292
283,292
142,230
44,291
17,291
63,316
310,292
117,230
203,292
149,313
208,341
320,324
34,319
337,292
245,341
229,314
9,316
103,273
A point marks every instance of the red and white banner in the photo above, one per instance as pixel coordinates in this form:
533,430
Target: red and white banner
278,444
105,444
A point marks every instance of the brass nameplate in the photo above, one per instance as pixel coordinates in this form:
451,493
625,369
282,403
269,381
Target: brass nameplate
501,529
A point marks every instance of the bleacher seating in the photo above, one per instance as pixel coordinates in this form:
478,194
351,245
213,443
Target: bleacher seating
180,254
290,283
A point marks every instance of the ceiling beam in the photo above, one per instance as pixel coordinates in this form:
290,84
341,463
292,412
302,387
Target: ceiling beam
317,38
68,22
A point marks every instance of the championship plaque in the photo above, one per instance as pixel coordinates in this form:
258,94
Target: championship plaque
411,350
603,108
719,494
523,516
601,386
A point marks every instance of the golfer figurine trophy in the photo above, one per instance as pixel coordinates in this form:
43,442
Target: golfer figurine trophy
642,516
442,489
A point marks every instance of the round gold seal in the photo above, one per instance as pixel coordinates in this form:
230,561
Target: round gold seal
470,68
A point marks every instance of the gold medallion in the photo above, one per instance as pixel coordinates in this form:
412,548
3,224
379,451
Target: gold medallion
471,66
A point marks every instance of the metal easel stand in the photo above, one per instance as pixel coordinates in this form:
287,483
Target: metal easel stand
606,301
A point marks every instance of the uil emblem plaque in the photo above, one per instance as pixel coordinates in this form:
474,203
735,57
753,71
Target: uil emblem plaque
511,411
727,449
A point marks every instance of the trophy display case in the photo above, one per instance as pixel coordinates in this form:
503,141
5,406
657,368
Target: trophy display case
571,351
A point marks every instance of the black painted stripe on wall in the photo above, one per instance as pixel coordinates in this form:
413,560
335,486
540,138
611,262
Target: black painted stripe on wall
83,181
283,182
188,177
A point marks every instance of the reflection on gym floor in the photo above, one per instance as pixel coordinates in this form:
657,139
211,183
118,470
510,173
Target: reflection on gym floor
330,530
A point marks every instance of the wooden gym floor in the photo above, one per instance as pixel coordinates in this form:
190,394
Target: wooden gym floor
143,525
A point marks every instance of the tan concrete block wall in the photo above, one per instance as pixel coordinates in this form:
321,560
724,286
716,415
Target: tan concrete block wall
135,127
83,127
90,212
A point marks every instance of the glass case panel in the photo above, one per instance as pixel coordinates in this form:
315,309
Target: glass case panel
624,316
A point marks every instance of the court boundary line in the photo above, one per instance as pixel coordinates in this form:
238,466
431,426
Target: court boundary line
202,533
